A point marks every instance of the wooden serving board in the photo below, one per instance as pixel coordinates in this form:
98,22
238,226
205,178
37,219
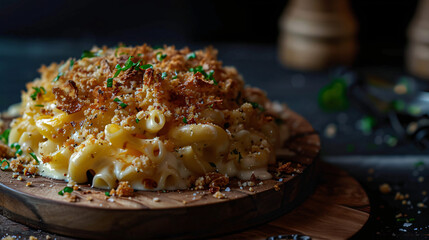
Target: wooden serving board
337,210
177,214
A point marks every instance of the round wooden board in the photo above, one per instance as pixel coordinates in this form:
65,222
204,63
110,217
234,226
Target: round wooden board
177,214
337,210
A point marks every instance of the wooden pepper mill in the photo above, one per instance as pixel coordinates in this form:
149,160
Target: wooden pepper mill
317,34
417,55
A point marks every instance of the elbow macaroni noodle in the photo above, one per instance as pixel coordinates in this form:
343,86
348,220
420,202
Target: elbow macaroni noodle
155,137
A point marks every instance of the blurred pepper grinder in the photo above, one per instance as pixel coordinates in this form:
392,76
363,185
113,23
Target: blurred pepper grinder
317,34
417,56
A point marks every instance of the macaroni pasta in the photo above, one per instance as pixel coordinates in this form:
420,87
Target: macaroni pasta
153,117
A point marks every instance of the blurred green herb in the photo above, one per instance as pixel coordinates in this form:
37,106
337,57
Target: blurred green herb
333,97
4,137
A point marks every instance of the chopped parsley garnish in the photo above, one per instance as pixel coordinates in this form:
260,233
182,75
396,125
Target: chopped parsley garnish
57,77
333,97
66,189
414,110
71,64
212,164
87,54
107,194
36,92
209,76
137,120
163,75
174,77
160,56
366,124
109,82
191,55
127,65
198,69
419,163
7,164
146,66
117,48
184,120
35,157
256,105
39,105
4,137
17,148
123,105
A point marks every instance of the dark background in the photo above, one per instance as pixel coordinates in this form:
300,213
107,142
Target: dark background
33,33
382,31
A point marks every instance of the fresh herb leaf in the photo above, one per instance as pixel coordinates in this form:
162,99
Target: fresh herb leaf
36,92
4,137
174,77
137,120
7,164
212,164
117,72
19,152
160,56
419,163
15,145
109,82
191,55
17,148
333,97
256,105
146,66
66,189
39,105
71,64
123,105
128,64
163,75
87,54
35,157
367,124
211,77
198,69
57,77
184,120
107,194
117,48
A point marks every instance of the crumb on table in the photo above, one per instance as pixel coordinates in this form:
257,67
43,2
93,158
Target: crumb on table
385,188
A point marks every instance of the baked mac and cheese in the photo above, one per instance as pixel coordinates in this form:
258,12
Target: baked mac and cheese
155,118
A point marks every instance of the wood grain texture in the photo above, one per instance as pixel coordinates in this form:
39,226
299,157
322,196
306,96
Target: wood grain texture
178,214
339,208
